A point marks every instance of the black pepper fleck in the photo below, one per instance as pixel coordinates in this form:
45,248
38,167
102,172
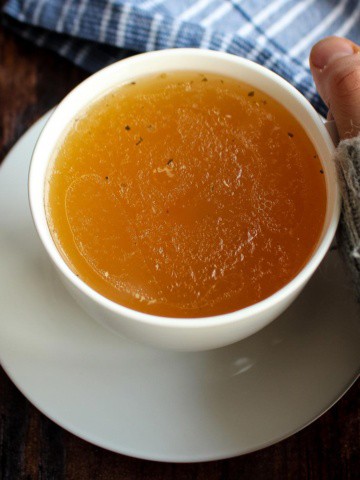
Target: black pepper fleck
127,127
321,171
251,94
290,134
139,141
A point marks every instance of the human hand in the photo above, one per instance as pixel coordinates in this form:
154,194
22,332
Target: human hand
335,66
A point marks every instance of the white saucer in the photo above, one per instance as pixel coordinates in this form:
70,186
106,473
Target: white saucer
160,405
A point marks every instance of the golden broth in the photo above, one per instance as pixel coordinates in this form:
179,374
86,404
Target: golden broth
186,195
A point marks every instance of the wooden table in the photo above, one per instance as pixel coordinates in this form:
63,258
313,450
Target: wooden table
32,447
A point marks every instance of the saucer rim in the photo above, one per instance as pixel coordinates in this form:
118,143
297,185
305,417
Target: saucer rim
167,459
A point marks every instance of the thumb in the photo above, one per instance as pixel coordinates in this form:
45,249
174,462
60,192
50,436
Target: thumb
335,65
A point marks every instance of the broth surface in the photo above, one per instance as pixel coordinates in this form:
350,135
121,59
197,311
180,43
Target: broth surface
186,195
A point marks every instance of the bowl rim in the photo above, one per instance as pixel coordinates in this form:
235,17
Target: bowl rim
237,316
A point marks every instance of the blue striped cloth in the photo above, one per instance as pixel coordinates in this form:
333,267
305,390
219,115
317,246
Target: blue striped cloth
277,33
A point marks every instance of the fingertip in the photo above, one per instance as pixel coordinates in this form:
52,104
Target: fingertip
329,49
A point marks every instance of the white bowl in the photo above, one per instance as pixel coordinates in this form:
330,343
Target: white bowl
177,333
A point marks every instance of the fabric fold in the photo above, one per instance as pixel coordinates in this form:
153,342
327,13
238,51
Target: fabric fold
277,34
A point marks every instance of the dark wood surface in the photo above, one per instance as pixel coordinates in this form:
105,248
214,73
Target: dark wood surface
33,447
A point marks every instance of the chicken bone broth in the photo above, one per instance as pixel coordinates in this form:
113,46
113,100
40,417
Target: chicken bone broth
185,194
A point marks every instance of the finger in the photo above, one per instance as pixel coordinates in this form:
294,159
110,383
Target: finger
335,65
